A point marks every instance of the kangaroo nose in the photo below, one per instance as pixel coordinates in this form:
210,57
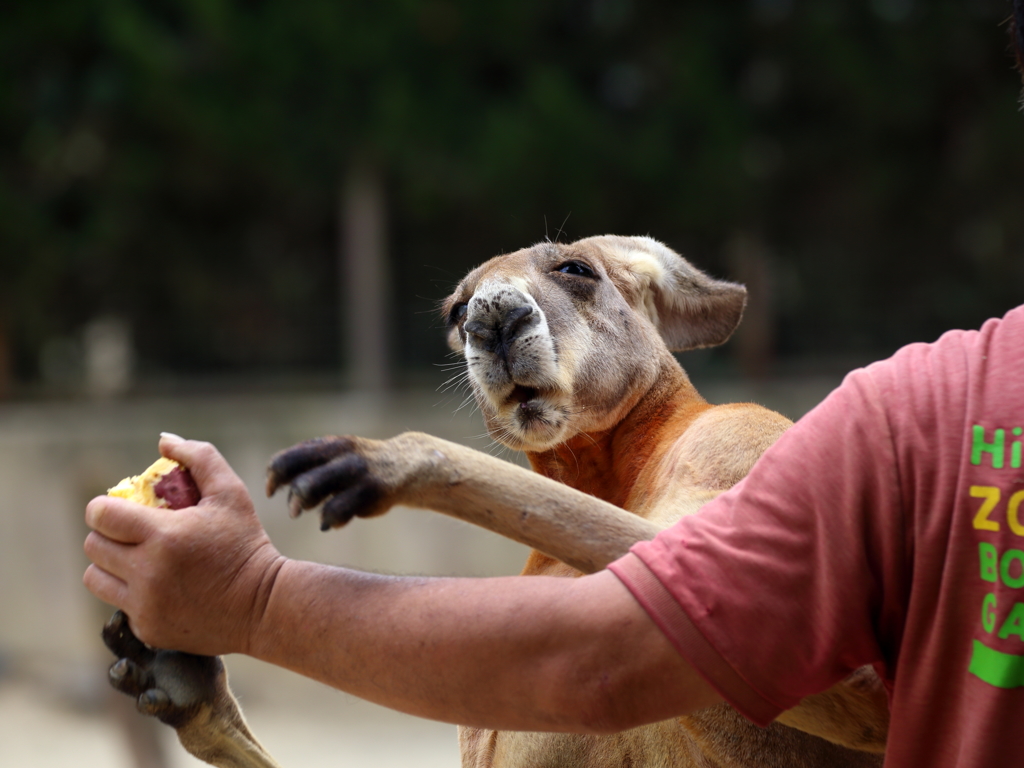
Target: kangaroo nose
514,321
496,336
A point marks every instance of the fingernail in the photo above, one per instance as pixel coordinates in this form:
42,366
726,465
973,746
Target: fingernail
93,511
172,436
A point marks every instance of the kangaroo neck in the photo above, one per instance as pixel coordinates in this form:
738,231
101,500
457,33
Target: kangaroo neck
606,464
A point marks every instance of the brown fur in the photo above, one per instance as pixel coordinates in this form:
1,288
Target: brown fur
617,418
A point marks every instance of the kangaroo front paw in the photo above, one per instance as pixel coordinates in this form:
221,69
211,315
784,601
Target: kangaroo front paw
168,685
335,472
187,692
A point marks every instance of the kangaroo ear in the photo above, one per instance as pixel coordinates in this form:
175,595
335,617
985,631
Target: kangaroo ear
689,309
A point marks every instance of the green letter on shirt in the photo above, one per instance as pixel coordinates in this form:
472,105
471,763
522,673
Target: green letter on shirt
1014,624
1011,555
989,557
979,446
988,613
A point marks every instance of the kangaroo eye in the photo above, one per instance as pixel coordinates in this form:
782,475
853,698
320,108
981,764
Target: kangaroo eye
458,312
577,268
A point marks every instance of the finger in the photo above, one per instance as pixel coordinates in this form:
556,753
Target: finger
358,501
210,470
159,703
111,556
105,586
118,637
121,520
129,678
312,487
286,465
155,702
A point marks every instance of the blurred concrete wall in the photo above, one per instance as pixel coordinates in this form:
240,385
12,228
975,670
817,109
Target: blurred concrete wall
55,456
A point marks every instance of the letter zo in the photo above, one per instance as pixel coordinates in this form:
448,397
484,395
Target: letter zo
991,495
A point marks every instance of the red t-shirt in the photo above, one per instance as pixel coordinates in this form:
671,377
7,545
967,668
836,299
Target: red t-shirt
887,528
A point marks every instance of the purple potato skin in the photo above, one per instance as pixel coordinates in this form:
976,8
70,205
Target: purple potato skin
178,489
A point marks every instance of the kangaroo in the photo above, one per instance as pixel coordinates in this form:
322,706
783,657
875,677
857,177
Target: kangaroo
568,350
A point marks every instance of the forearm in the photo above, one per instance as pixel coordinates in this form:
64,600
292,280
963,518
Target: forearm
514,653
578,529
437,648
347,476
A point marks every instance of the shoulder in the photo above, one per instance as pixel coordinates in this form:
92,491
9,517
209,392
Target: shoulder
937,383
954,355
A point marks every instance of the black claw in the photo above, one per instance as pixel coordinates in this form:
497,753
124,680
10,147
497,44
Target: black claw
119,672
129,678
288,464
154,702
294,504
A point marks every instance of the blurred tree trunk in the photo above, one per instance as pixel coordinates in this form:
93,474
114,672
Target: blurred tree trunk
754,342
6,366
143,735
364,294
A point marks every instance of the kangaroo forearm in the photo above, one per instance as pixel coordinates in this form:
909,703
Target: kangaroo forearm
576,528
223,739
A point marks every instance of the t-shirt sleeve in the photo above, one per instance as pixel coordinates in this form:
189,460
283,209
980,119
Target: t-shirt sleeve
774,591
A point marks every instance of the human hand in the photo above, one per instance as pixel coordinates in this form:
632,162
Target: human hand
195,579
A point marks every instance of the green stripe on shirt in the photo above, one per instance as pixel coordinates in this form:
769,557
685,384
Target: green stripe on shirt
1002,670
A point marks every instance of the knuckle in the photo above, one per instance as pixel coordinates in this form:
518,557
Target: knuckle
205,451
89,579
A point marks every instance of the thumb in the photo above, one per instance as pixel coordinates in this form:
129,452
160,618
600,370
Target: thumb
211,471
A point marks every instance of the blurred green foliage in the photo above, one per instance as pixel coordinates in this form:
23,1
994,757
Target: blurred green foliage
179,164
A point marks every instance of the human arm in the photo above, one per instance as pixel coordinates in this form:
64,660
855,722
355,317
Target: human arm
515,653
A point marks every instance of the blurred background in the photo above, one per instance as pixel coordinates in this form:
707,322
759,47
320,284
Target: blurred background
234,220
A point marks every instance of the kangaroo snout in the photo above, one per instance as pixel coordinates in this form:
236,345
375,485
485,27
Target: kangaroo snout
498,316
497,332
